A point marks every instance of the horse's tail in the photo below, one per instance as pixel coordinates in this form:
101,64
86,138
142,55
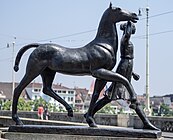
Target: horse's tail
21,52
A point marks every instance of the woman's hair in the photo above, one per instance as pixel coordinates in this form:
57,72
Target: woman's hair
124,25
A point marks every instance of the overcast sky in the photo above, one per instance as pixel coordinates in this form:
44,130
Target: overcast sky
74,24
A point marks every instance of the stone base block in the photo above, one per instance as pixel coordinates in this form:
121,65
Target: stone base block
80,132
39,136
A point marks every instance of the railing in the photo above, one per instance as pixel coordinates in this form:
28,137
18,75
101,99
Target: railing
123,120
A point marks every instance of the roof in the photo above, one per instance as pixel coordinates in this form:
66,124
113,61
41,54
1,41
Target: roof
169,95
78,97
81,92
54,86
156,100
59,86
6,89
91,90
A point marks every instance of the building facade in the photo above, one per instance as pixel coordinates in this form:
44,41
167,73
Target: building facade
34,91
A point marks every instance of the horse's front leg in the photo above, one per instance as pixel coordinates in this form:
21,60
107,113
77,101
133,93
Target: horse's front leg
111,76
99,85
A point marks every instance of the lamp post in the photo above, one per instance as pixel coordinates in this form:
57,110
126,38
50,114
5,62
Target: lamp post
13,74
147,108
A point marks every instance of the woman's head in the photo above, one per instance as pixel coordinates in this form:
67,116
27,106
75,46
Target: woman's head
126,26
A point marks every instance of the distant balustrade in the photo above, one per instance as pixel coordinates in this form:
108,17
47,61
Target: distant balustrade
123,120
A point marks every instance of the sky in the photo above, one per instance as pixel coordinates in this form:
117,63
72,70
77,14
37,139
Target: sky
74,24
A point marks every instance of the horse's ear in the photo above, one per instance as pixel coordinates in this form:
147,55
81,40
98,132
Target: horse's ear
110,5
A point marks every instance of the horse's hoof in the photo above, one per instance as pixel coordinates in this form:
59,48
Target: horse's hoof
92,125
70,112
150,127
85,115
17,120
91,122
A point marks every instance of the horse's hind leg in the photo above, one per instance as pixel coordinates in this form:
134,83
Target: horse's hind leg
31,73
47,77
25,81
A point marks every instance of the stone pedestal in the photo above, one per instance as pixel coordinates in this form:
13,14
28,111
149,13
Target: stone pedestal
41,132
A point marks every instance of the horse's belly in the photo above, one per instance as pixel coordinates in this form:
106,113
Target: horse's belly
71,67
75,72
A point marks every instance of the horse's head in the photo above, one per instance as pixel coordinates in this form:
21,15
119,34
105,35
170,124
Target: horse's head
128,28
117,14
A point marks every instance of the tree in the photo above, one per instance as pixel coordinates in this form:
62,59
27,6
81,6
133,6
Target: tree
165,110
38,102
107,109
24,105
7,105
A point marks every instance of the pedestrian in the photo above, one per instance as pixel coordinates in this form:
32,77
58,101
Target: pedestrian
46,113
40,112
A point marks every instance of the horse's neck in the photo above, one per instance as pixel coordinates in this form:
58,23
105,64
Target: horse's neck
107,33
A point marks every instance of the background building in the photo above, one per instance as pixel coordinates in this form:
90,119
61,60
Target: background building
79,98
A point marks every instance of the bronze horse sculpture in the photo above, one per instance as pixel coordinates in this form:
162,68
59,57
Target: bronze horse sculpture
97,59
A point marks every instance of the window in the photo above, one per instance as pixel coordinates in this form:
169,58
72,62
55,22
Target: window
37,89
35,97
55,91
78,101
63,91
70,92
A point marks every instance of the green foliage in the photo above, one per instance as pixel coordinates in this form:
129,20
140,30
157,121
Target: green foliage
6,105
38,102
61,109
165,110
53,108
107,109
24,105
